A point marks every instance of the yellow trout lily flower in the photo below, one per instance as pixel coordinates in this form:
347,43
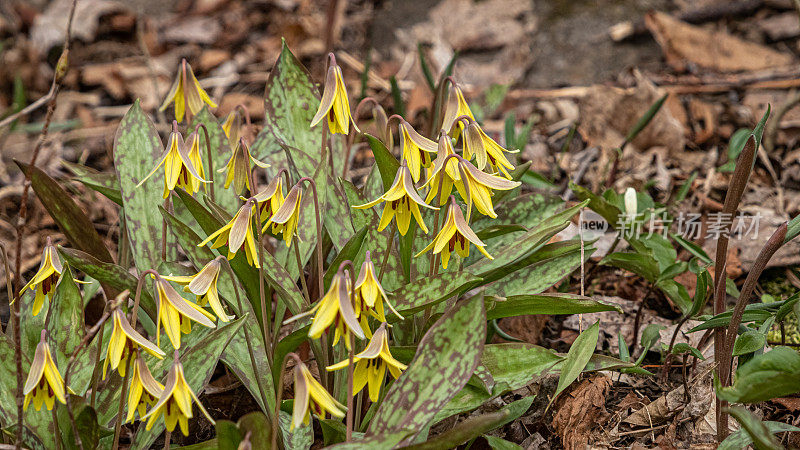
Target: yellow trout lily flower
284,219
371,364
270,198
179,165
370,295
124,339
486,150
335,309
455,107
237,232
416,148
402,201
310,396
203,284
233,127
447,177
144,391
44,384
334,104
175,403
46,278
176,314
237,169
186,93
456,235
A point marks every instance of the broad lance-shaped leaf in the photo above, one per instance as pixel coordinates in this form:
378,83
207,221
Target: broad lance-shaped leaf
760,435
555,262
66,320
740,439
117,277
475,426
578,356
775,373
429,291
220,153
519,305
336,215
137,149
102,182
448,355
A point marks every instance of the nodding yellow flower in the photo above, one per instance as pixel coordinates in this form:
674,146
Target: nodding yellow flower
334,308
371,364
456,235
186,93
310,396
479,186
270,198
144,391
455,107
233,127
284,219
203,284
237,232
402,201
176,314
179,165
370,294
124,339
237,169
447,177
334,104
416,148
44,384
485,149
46,278
175,403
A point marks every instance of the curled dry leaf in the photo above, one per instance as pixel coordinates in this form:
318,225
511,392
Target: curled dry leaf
579,412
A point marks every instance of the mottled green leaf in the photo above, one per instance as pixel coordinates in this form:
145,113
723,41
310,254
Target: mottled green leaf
558,261
66,326
350,251
497,443
70,219
85,424
360,217
598,204
475,426
102,182
579,354
447,356
386,162
112,274
337,215
383,440
137,149
519,305
429,291
300,438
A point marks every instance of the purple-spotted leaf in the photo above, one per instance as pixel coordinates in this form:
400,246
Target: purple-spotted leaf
546,267
102,182
429,291
70,219
445,360
137,149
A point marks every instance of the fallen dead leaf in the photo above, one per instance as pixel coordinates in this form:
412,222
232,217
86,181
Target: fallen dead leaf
581,412
704,115
683,43
790,403
780,26
608,114
50,26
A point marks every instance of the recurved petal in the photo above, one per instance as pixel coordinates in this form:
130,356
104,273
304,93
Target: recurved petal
37,368
328,94
347,312
204,279
150,384
464,228
408,187
491,181
374,348
290,204
269,191
135,336
239,226
166,394
418,139
182,306
300,407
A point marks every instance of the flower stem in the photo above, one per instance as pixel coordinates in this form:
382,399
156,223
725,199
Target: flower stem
236,288
57,436
351,358
276,429
265,311
167,207
121,406
210,161
303,283
389,246
320,270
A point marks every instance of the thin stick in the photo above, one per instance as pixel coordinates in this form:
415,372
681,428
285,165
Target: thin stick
96,370
167,439
349,431
300,266
121,406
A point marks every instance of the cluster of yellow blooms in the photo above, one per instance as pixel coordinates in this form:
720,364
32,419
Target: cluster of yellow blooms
347,304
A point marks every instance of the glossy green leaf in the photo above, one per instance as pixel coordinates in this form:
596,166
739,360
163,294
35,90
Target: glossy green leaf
519,305
137,149
497,443
597,203
775,373
578,356
447,356
760,435
102,182
740,439
384,160
641,264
